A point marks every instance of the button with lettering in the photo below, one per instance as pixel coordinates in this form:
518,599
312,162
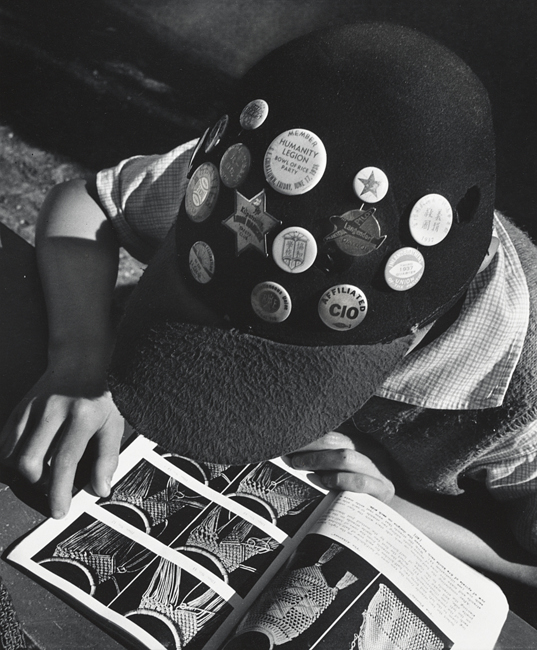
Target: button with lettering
235,165
431,219
216,133
201,262
342,307
295,162
271,302
202,192
294,250
254,114
251,223
371,184
404,269
356,232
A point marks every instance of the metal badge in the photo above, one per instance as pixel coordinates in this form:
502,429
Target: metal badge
271,302
431,219
198,146
342,307
295,162
371,184
254,114
201,262
235,165
356,232
216,133
294,249
251,223
404,269
202,192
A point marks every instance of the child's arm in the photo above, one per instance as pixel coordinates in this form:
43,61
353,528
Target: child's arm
344,466
77,256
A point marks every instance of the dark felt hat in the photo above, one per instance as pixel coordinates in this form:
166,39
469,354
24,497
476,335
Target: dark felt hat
343,202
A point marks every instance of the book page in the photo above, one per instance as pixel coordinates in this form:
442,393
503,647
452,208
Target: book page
363,579
180,549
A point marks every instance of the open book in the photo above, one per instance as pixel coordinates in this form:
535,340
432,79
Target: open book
204,556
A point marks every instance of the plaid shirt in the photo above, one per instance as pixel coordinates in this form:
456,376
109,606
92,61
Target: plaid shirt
468,367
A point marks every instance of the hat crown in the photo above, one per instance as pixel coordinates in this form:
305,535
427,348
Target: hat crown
371,99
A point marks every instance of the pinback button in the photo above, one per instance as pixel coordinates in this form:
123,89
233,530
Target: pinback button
216,133
404,269
198,146
235,165
371,184
254,114
201,262
430,219
295,162
294,250
271,302
202,192
342,307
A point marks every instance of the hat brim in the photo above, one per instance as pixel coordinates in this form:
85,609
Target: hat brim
219,395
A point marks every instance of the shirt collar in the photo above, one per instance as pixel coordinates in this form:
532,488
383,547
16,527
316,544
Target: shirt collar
470,365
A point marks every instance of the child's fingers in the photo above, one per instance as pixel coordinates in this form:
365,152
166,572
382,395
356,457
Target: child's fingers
108,444
380,488
14,428
331,440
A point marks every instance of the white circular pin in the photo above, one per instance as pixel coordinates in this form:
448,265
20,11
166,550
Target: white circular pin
294,250
202,192
201,262
271,302
342,307
235,165
216,133
404,269
431,219
295,162
254,114
371,184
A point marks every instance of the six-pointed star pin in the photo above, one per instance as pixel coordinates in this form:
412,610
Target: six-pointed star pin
251,223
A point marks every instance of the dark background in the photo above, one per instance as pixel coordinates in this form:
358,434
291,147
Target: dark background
94,81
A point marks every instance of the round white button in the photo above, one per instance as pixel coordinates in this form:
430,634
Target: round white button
198,146
254,114
294,250
295,162
201,262
404,269
371,184
235,165
431,219
216,133
271,302
342,307
202,192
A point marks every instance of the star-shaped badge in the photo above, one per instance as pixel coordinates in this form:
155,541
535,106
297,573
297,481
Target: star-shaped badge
370,184
251,223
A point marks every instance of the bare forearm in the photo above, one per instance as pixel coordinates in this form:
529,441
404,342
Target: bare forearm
77,256
466,545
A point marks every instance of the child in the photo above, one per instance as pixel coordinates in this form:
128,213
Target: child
336,258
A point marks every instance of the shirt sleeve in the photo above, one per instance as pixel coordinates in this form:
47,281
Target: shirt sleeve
141,197
509,472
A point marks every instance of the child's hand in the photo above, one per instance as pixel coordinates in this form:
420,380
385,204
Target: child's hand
54,424
341,465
